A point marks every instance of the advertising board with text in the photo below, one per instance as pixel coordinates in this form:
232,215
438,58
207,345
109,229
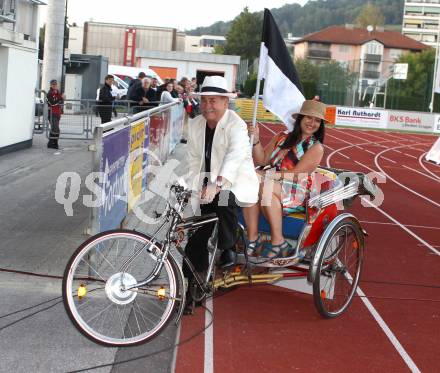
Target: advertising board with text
360,117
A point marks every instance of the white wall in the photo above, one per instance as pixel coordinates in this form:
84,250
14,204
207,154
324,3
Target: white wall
76,35
189,69
16,117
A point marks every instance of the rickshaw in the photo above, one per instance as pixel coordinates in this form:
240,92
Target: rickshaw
122,287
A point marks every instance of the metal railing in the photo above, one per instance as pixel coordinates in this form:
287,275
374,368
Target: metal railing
133,142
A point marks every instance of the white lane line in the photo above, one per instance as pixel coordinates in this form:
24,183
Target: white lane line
376,162
174,360
383,325
269,129
406,225
426,168
395,342
209,337
369,151
389,160
397,151
329,147
410,232
410,155
421,173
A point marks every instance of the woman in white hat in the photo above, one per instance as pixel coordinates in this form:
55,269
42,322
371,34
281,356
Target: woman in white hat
292,156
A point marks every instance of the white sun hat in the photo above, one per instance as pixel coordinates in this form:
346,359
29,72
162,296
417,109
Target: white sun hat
215,85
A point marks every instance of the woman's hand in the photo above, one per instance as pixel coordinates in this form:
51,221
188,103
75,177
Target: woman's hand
254,131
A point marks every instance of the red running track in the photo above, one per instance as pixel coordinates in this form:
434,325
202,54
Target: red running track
270,329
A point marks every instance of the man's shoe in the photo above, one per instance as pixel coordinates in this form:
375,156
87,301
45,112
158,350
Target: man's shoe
227,258
183,141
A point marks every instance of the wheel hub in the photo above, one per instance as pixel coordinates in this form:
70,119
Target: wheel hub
115,285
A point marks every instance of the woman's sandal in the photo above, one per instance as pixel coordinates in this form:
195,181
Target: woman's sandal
254,247
282,250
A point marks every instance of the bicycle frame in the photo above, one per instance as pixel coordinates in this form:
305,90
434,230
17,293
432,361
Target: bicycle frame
173,215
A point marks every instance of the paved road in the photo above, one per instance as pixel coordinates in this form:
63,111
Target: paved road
37,236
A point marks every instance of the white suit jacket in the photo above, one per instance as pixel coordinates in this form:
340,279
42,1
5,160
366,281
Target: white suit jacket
231,155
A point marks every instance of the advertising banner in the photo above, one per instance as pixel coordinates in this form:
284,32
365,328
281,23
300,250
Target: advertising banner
176,126
410,121
361,117
159,135
137,139
145,155
115,151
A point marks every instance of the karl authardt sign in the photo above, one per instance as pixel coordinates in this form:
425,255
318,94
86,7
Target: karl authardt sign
408,121
360,117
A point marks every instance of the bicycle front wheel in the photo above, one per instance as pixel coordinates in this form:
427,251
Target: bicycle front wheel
94,292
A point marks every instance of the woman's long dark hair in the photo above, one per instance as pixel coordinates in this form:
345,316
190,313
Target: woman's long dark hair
294,137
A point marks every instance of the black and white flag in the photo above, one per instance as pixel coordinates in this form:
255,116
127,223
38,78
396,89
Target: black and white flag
283,92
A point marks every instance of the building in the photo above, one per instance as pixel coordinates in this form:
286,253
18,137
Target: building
181,64
421,20
18,72
369,53
203,44
119,42
76,36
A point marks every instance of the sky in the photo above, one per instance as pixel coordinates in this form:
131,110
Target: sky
180,14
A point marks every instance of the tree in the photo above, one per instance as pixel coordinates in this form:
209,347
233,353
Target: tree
244,36
307,71
370,15
414,93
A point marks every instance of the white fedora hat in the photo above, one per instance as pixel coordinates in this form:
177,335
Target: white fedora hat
215,86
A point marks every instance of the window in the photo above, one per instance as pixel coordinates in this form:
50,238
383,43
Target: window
374,47
395,53
344,48
429,38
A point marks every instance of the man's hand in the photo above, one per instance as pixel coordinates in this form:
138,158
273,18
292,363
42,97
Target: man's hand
209,192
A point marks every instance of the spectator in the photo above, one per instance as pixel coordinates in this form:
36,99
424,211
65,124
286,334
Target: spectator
55,101
149,94
166,96
106,100
174,92
155,88
317,98
194,84
135,88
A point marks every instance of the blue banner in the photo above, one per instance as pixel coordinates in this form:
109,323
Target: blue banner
115,151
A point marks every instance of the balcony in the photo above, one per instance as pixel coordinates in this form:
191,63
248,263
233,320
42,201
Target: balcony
319,53
370,74
372,57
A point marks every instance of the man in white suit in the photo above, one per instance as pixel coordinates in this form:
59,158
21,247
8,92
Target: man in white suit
221,168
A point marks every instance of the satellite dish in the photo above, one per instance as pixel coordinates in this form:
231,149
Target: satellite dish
370,28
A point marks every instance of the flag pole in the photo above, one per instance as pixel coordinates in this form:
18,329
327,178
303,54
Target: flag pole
257,92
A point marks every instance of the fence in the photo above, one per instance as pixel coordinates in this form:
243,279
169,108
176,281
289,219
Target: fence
124,151
80,117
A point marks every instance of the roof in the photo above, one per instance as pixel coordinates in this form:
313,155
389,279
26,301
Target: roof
186,56
359,36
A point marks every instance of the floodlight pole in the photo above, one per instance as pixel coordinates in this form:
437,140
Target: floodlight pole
434,76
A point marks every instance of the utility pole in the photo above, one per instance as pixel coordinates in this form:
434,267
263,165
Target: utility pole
53,43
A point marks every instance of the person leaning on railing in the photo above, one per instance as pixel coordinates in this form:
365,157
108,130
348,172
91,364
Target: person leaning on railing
106,99
294,156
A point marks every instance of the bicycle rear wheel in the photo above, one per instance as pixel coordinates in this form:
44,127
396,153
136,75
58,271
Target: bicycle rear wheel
93,292
339,269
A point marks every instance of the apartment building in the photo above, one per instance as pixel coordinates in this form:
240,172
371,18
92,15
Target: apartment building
18,71
421,20
370,53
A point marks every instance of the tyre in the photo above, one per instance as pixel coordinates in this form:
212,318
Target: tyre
98,306
339,268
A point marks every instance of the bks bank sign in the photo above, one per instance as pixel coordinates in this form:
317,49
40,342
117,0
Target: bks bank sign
410,121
